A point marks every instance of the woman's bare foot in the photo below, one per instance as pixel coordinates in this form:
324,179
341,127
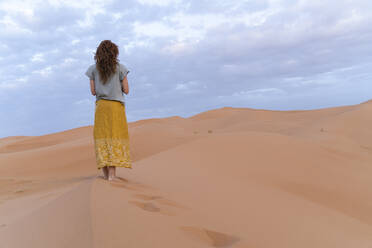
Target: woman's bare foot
105,172
111,173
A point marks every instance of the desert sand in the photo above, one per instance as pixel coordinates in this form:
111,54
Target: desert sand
229,177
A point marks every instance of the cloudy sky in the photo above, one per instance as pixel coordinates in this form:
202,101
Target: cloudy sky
184,57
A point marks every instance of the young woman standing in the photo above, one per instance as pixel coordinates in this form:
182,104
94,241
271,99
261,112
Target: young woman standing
108,82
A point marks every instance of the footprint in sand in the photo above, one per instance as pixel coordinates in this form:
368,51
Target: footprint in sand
148,206
147,197
210,237
151,207
160,200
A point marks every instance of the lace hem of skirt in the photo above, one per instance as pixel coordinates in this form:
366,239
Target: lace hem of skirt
112,152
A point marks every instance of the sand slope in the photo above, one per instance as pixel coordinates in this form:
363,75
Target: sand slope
229,177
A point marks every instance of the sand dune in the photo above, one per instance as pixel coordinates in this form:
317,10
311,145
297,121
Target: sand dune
229,177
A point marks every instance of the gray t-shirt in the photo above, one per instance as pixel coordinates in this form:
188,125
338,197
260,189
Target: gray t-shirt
112,89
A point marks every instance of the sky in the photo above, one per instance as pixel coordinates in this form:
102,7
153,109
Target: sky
184,57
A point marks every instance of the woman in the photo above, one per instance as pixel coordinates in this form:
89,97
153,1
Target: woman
108,81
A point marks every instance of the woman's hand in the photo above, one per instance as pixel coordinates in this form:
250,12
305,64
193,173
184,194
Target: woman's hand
125,86
92,88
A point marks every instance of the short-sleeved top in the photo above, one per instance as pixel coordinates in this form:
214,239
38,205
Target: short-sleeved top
112,89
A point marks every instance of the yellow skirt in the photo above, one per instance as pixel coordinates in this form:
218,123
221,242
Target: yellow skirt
111,138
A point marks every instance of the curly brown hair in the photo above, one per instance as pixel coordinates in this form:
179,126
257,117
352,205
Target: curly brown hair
106,58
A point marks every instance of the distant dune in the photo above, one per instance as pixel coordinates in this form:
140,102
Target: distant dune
229,177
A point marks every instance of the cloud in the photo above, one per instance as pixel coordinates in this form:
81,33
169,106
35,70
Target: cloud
37,57
159,2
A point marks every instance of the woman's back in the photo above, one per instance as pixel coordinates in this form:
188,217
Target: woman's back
112,89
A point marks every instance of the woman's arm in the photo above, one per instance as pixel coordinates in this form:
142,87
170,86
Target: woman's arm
125,86
92,88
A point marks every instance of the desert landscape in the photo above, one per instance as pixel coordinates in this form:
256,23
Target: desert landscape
228,177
